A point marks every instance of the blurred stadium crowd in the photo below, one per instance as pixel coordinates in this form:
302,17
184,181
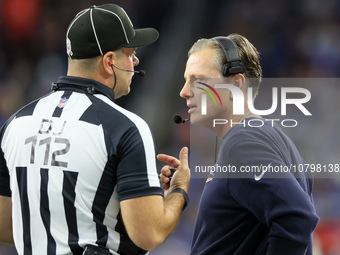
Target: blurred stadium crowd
296,39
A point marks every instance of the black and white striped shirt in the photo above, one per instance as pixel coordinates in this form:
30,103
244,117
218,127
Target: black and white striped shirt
67,160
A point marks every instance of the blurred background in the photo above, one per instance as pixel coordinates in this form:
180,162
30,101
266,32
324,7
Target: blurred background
296,39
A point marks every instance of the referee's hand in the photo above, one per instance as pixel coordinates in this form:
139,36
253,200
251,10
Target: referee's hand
181,177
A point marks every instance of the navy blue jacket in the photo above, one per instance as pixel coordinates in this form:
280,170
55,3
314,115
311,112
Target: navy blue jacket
256,212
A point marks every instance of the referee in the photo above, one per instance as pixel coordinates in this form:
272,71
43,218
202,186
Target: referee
78,172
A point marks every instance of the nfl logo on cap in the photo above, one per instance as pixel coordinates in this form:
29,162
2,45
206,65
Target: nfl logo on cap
68,47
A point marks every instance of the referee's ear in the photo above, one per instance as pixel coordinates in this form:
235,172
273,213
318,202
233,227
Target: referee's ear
109,59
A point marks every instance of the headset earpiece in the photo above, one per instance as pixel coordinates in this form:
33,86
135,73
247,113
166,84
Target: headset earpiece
234,64
110,63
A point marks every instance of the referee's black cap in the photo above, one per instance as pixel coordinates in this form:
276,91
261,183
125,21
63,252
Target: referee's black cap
99,29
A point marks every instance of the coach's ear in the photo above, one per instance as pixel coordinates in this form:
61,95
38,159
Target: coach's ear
239,81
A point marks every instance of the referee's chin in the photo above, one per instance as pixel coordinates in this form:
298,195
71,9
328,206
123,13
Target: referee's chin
127,91
121,93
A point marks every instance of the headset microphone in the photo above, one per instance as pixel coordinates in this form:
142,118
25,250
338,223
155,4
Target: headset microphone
178,119
140,72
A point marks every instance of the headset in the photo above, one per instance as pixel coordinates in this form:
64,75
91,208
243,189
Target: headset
139,72
234,64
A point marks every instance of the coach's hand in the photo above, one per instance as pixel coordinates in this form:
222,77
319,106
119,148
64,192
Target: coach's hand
181,177
149,220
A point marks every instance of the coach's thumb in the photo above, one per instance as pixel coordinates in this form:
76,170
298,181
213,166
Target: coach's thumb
183,157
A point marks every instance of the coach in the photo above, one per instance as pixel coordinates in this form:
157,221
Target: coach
245,213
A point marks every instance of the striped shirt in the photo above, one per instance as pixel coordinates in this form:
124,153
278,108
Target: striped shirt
67,160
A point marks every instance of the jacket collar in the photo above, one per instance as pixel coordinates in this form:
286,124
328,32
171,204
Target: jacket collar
82,85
